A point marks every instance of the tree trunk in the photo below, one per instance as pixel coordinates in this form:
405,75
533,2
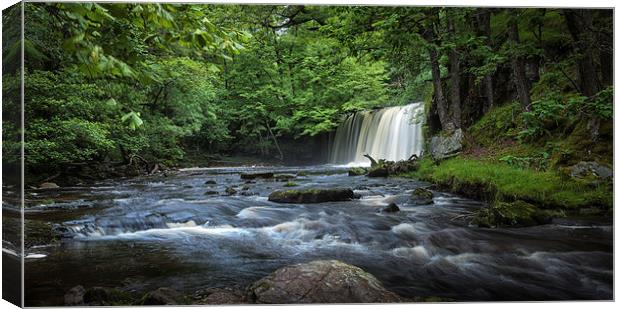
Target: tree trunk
440,99
579,24
518,63
455,78
484,25
275,141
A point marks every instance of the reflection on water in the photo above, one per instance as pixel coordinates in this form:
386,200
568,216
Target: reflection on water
145,233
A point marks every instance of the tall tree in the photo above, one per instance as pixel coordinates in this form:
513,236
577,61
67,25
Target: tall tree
430,35
483,16
455,71
518,63
579,22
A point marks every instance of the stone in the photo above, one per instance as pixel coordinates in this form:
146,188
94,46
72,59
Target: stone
323,281
257,175
378,172
225,296
231,191
585,169
211,193
357,171
48,185
210,182
312,195
422,196
103,296
284,177
392,207
75,296
442,147
164,296
518,214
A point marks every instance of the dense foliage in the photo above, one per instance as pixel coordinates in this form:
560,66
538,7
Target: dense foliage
112,82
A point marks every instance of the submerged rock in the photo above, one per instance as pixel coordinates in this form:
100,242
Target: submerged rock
312,195
231,191
442,147
391,208
422,196
164,296
210,182
211,193
257,175
328,281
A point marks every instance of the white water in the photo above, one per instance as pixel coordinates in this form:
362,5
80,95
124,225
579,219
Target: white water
392,133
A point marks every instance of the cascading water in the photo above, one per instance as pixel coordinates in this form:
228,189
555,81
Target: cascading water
392,133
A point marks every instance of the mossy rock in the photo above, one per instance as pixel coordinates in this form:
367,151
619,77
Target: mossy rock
291,184
517,214
284,177
422,196
357,171
312,195
378,171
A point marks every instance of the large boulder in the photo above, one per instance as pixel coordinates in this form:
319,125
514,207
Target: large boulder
590,169
327,281
445,146
312,195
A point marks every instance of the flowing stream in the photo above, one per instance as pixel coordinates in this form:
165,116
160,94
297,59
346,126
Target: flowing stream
392,133
154,231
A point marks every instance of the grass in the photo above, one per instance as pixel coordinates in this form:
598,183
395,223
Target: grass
493,181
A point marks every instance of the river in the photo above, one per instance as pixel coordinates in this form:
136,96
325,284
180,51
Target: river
143,233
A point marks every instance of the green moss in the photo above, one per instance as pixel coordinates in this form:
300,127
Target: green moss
501,122
492,181
291,184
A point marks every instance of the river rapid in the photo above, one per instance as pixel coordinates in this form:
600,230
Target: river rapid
143,233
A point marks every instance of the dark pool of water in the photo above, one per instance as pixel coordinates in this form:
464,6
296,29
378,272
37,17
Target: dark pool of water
143,233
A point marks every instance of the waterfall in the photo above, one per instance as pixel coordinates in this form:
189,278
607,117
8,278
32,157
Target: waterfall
391,133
